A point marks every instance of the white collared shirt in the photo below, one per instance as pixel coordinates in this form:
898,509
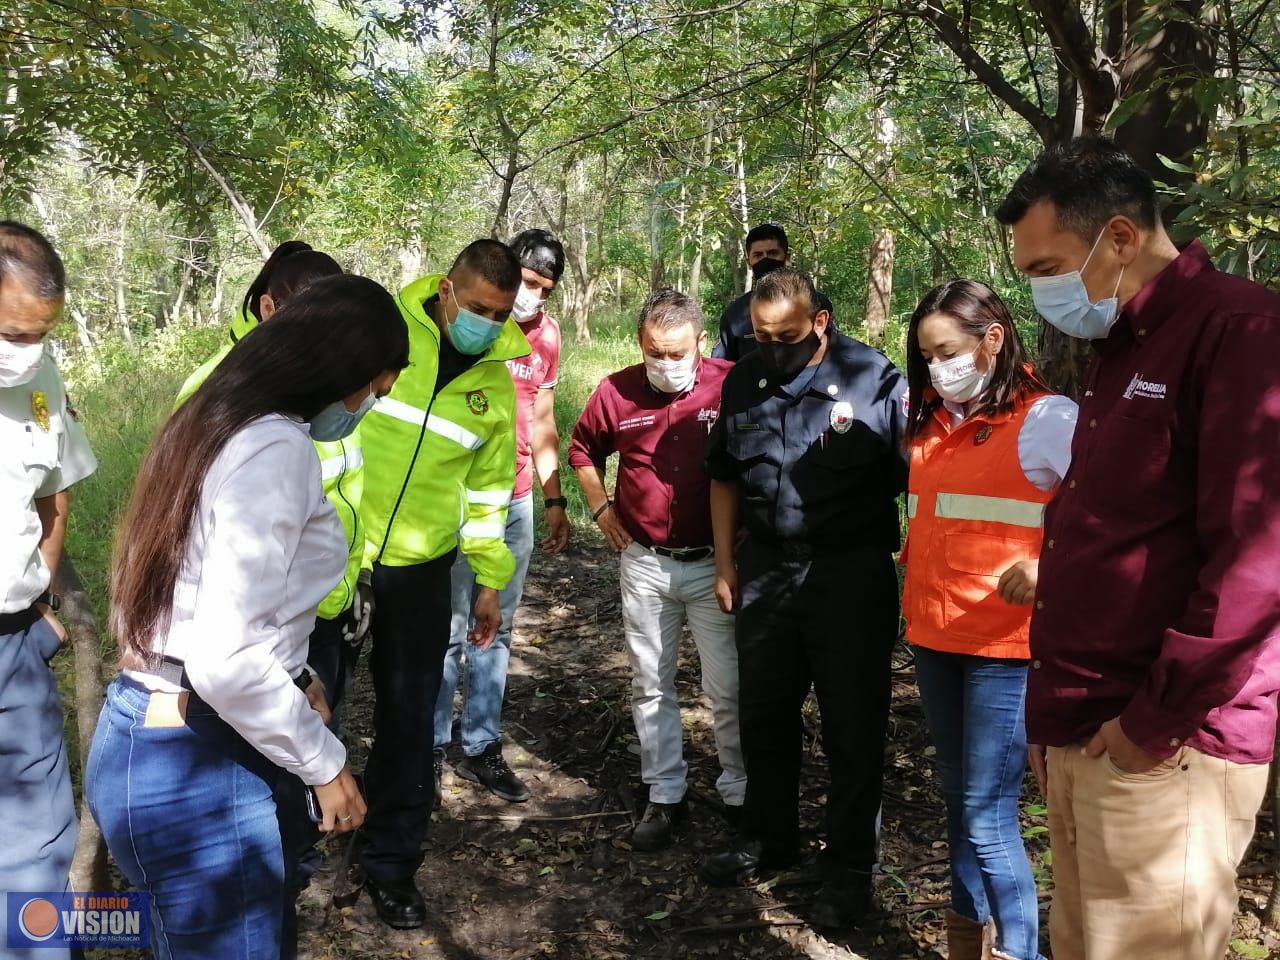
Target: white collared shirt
266,547
43,451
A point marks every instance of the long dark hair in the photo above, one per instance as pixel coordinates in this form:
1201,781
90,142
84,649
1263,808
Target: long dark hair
291,266
974,307
323,345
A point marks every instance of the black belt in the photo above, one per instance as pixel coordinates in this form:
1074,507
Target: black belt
684,554
18,622
175,671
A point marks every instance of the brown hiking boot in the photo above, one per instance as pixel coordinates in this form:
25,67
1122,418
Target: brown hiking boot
968,939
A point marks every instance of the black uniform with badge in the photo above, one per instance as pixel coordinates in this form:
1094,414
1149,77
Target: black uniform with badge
819,461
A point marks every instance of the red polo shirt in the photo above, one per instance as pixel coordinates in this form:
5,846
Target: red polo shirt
663,496
1159,592
540,370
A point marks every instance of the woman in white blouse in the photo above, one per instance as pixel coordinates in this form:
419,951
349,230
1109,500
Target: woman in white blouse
227,548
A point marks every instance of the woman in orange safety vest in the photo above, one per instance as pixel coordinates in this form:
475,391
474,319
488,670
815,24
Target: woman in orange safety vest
989,443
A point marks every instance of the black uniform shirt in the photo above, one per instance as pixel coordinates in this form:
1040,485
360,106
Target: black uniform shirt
818,463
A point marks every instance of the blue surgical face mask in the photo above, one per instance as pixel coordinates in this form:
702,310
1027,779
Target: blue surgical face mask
471,333
1064,302
335,421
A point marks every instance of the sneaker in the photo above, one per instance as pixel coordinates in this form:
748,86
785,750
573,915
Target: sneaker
438,767
657,827
490,769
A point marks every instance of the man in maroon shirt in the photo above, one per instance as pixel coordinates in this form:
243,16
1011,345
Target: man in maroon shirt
1154,639
656,416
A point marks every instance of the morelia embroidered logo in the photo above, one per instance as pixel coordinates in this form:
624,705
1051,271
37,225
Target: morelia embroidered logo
1145,389
983,435
477,403
708,415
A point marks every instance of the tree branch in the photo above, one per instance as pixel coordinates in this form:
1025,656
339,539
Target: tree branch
949,33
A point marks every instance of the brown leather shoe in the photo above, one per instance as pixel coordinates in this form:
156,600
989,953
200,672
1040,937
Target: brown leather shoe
968,939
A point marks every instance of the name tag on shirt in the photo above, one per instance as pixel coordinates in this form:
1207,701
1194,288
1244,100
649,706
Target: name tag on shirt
748,426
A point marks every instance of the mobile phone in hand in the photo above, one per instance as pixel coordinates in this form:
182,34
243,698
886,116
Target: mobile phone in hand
313,805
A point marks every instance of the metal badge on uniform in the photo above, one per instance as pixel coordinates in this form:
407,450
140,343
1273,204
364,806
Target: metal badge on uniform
841,417
40,409
477,403
983,435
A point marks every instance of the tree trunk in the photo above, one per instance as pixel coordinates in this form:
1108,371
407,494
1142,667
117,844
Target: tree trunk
89,866
410,255
879,286
657,265
744,209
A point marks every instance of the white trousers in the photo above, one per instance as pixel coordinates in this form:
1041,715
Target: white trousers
658,596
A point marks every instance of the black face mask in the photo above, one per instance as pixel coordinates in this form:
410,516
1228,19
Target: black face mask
783,361
762,268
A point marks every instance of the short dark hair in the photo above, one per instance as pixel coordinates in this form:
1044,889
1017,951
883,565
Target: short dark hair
766,231
28,253
539,251
974,307
491,260
667,308
788,283
1088,181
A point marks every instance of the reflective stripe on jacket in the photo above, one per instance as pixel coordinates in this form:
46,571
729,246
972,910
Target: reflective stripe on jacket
342,475
972,514
441,465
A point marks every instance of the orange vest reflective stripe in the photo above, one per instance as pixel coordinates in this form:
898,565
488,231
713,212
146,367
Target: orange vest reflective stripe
972,514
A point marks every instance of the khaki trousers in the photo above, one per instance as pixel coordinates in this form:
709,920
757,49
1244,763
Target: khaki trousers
1144,865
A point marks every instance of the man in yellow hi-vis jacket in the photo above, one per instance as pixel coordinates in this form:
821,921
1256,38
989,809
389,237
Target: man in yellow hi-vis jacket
439,455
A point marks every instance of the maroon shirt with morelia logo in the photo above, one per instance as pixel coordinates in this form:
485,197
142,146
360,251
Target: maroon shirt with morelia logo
663,496
1159,588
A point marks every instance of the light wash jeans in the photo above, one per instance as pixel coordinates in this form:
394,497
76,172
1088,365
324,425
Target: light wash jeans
188,815
482,674
658,595
974,707
36,808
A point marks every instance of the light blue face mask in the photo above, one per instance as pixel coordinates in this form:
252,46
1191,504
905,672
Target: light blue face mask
1064,302
335,421
471,333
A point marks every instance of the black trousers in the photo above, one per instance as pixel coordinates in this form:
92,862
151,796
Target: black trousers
828,623
333,660
410,634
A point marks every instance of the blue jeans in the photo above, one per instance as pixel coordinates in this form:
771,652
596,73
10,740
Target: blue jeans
36,809
974,708
483,673
188,815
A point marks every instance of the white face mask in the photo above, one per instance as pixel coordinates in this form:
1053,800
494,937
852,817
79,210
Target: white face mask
671,376
19,362
958,379
527,305
1064,302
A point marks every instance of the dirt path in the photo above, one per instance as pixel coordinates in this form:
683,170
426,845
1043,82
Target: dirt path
554,877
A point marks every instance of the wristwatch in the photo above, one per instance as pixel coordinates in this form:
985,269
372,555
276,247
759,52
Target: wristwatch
561,502
303,680
51,600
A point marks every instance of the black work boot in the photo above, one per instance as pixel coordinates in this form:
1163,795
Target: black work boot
843,902
656,828
398,903
745,861
437,765
490,770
